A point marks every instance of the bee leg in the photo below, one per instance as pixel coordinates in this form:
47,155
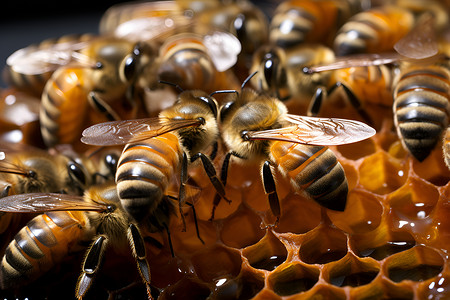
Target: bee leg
169,237
316,102
271,190
354,101
182,191
195,222
91,265
100,105
213,154
211,172
138,248
223,179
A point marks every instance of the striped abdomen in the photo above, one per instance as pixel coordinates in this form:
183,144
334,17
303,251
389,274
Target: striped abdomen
144,172
370,84
373,31
64,107
43,243
33,82
314,170
296,22
186,62
421,108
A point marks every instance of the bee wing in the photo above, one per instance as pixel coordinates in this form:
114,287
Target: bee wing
421,41
33,60
149,28
129,131
42,202
317,131
357,60
223,48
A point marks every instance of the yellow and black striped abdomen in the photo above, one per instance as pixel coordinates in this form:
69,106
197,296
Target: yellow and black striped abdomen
43,243
64,107
314,170
373,31
144,172
422,108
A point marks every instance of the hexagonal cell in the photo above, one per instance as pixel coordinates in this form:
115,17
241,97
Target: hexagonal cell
382,174
351,173
416,264
357,150
433,168
293,278
245,286
267,254
381,243
351,271
216,262
415,200
323,245
242,229
298,214
362,213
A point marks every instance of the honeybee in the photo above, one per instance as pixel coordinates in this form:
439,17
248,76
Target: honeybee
159,148
378,29
96,86
26,69
422,107
257,128
308,21
67,225
145,20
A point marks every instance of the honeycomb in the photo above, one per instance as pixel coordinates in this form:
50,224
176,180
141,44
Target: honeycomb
392,240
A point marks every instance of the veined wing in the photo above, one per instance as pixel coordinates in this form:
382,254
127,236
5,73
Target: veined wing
43,202
317,131
130,131
33,60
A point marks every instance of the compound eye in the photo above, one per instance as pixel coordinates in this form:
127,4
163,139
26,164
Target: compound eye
76,173
129,68
225,110
271,63
111,162
211,104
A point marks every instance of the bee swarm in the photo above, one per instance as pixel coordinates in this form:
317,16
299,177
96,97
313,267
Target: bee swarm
392,240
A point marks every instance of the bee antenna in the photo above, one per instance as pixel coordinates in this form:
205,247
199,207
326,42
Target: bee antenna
224,92
172,84
248,79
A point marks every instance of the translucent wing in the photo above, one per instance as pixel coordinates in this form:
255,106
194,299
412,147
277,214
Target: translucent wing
148,28
317,131
42,202
357,60
223,48
129,131
33,60
421,41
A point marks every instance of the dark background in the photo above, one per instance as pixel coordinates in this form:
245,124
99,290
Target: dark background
23,23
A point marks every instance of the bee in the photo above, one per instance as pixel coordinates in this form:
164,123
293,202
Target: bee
422,106
308,21
446,147
159,148
26,70
67,224
97,86
157,21
257,128
378,29
26,169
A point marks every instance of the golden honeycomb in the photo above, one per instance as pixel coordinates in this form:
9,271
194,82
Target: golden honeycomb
391,242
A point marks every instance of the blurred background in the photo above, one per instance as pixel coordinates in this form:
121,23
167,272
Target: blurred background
23,23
